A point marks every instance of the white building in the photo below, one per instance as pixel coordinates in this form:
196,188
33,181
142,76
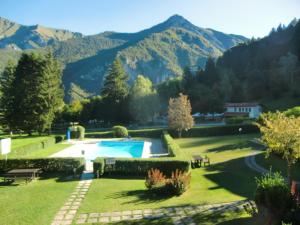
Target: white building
251,110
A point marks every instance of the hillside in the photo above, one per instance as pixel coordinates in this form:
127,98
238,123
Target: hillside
20,37
159,52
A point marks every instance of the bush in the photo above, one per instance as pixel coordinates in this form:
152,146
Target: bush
273,197
66,165
172,147
218,130
155,180
237,120
77,132
141,166
120,131
178,183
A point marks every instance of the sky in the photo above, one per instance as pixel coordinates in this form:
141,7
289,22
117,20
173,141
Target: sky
251,18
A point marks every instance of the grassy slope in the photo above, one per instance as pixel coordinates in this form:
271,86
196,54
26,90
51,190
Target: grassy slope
35,203
278,164
227,179
19,141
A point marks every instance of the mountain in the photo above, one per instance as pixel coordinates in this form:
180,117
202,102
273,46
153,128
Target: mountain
159,52
20,37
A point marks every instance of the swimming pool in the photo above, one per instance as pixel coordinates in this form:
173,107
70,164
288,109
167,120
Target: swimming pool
119,149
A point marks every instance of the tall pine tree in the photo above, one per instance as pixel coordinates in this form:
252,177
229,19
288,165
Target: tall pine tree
37,93
6,97
115,92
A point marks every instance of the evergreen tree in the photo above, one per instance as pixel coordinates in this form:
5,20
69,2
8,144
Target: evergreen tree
188,79
115,92
6,97
37,93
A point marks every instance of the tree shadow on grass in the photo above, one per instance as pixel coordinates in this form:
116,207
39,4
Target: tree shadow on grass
141,196
240,145
234,176
163,221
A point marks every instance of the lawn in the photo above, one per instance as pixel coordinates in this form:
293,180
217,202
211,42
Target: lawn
34,203
276,163
227,179
18,141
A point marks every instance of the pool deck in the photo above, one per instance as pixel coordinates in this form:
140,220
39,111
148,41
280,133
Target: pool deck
152,148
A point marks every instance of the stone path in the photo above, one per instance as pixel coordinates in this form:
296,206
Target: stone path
68,211
179,215
251,163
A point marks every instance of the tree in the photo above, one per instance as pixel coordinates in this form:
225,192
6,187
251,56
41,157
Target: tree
115,91
144,101
6,96
37,92
282,135
188,79
179,114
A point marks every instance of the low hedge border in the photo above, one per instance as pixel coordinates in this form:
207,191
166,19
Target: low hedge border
194,132
66,165
32,147
140,167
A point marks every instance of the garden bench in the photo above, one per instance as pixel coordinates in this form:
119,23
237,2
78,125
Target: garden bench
196,161
22,174
206,161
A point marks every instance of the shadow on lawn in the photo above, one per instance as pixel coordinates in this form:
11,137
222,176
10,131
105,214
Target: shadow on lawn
240,145
234,176
141,196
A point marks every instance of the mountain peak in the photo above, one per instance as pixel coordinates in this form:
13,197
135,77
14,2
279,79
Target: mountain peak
177,21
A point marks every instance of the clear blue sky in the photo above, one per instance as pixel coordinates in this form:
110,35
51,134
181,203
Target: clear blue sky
245,17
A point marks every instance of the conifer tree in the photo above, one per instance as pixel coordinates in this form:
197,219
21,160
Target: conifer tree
115,92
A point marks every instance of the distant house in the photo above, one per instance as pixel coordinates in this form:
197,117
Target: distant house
251,110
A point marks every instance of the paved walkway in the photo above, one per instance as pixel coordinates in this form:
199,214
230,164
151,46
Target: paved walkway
251,163
179,214
68,211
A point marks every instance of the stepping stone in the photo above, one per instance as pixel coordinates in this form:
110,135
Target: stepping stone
94,215
126,217
74,207
65,207
83,216
105,214
92,220
104,219
115,218
147,211
116,214
137,217
76,203
59,217
66,222
61,212
137,212
72,211
69,216
80,221
126,213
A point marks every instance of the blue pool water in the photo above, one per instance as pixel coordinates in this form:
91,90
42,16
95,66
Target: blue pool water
120,149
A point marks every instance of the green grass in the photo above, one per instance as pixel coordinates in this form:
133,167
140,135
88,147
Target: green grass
18,141
276,163
48,151
35,203
227,179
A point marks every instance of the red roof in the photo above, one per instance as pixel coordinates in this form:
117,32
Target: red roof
228,114
243,104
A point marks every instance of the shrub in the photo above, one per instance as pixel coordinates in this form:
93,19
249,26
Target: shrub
141,166
273,197
172,147
77,132
120,131
65,165
178,183
155,180
237,120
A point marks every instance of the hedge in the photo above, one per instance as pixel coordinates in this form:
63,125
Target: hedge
46,164
140,167
36,146
218,131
